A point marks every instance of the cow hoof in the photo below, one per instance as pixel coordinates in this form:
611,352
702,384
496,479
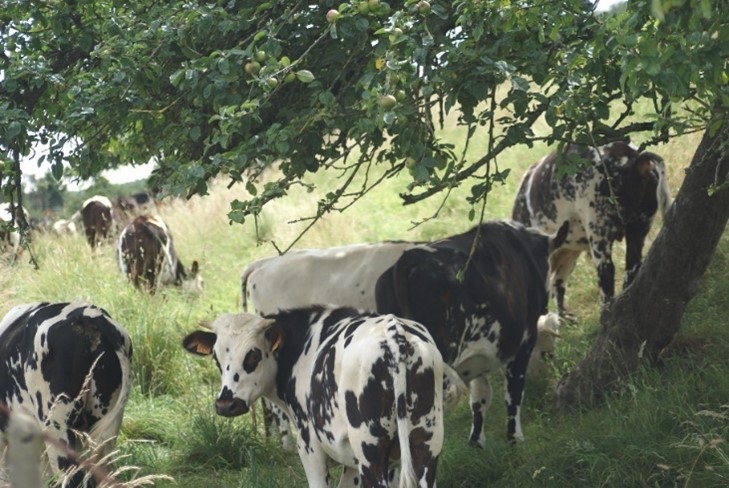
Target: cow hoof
475,444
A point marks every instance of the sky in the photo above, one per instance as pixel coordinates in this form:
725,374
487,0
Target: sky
125,174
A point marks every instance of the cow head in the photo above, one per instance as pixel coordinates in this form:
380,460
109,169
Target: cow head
191,281
243,347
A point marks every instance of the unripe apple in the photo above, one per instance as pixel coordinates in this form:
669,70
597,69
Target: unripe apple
333,15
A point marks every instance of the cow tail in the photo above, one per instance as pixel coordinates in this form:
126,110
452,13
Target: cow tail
400,387
244,285
108,426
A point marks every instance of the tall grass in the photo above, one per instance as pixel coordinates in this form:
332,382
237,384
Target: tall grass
666,427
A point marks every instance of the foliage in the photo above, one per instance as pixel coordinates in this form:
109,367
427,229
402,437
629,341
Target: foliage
233,87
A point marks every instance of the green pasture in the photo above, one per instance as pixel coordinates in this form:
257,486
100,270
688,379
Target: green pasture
665,426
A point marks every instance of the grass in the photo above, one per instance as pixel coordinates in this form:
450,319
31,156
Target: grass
666,426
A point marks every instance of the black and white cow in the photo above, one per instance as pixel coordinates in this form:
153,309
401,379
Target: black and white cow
147,256
69,366
96,214
480,295
615,195
9,235
362,389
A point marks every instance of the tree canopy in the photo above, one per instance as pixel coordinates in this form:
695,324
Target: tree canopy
231,87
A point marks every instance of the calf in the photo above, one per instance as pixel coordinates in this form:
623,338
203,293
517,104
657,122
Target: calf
69,366
480,295
147,257
615,195
362,389
96,213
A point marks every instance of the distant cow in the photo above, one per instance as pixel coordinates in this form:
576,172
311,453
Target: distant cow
147,256
69,366
9,235
615,195
96,213
344,276
480,295
362,389
63,227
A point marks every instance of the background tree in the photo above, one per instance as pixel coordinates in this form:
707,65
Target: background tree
232,87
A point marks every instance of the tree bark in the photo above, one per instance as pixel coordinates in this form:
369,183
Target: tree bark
640,322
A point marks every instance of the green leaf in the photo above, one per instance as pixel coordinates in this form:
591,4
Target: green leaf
305,76
57,170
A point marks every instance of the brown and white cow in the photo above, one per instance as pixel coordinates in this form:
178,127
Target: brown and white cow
147,256
362,389
96,214
67,365
616,194
480,295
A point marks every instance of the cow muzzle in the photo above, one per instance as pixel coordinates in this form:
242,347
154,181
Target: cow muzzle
231,408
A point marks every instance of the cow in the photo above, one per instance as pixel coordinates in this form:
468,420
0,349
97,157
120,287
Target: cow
615,194
9,235
362,389
343,276
68,365
63,227
96,213
480,295
146,255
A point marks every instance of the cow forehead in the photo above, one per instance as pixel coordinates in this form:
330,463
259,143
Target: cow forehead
238,331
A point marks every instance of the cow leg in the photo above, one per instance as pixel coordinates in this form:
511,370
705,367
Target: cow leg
58,436
601,251
514,390
634,241
480,395
561,264
313,459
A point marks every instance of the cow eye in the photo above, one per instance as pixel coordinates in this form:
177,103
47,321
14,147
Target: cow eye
250,363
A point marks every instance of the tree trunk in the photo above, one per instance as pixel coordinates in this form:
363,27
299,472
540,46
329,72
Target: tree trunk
642,321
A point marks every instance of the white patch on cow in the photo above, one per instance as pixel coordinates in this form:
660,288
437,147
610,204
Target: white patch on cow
99,199
479,357
343,276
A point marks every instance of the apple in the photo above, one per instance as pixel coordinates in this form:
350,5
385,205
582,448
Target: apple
410,162
333,15
363,7
252,67
423,6
387,102
261,56
272,82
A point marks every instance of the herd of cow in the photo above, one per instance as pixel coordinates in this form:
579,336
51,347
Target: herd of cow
359,346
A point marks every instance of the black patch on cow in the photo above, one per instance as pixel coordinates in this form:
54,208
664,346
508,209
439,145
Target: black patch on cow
250,362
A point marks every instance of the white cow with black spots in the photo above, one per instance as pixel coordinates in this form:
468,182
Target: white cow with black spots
68,365
615,194
362,389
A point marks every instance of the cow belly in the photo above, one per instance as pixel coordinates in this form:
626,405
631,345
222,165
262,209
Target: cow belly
477,359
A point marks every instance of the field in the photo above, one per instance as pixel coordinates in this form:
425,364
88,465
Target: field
666,426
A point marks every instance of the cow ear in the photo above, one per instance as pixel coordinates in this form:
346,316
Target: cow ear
643,165
274,336
200,342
